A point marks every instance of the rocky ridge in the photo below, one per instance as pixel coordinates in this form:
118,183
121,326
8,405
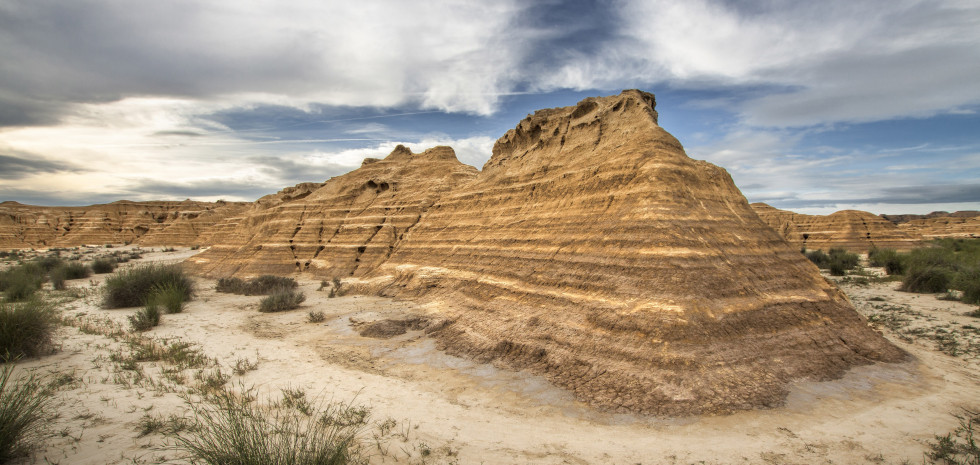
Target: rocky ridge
854,230
593,251
343,227
184,223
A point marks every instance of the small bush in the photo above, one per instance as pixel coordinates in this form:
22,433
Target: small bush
263,285
889,259
281,299
959,446
233,428
132,287
48,263
169,296
928,280
145,319
66,271
25,329
819,258
968,281
316,317
21,282
103,265
24,406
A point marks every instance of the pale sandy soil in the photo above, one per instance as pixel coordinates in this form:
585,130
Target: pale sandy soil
464,412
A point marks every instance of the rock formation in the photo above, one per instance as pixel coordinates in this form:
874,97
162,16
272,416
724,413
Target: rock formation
854,230
149,223
593,251
344,227
961,224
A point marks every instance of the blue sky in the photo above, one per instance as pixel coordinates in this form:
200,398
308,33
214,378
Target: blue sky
811,106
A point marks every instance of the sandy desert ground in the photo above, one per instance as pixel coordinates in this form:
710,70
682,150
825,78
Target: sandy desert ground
450,410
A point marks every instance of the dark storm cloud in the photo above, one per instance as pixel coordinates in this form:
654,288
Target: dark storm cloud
906,195
18,165
154,189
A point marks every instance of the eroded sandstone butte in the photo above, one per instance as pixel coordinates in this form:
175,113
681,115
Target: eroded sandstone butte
146,223
343,227
591,250
854,230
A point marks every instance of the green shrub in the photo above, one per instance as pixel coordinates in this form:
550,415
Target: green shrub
24,406
68,270
146,318
819,258
21,282
968,281
132,287
281,299
103,265
25,328
837,268
263,285
927,280
844,258
169,296
232,428
890,259
959,446
48,263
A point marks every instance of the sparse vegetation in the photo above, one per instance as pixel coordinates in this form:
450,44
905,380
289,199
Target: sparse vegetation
889,259
233,428
68,270
23,409
262,285
25,328
958,447
132,287
838,261
281,299
315,316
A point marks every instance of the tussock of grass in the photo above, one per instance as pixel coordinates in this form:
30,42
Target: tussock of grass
23,409
103,265
145,319
25,328
232,428
281,299
132,287
168,296
263,285
929,279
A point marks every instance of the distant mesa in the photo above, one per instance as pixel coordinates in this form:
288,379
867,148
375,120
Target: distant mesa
589,250
182,223
860,231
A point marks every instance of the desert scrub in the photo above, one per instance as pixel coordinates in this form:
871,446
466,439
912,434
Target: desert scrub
25,328
959,446
24,406
838,261
103,265
168,296
66,271
145,319
281,299
132,287
21,282
233,428
315,316
892,261
929,279
263,285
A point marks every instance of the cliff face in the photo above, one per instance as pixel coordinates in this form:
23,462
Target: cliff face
593,251
344,227
854,230
148,223
943,226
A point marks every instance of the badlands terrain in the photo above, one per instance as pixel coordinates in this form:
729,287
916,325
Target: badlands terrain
448,409
592,295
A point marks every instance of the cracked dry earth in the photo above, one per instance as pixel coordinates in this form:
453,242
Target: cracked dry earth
461,411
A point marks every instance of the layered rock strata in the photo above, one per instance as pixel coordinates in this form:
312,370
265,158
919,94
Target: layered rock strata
148,223
943,226
854,230
591,250
344,227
